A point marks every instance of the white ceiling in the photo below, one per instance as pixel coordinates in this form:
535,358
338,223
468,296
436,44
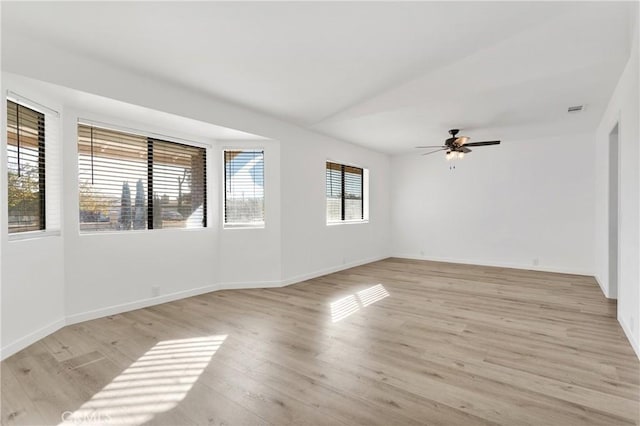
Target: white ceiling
384,75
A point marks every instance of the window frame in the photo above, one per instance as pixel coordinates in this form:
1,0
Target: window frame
223,204
364,188
150,137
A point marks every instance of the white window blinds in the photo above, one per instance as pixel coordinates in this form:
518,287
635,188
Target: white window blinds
133,182
244,187
33,168
345,192
179,185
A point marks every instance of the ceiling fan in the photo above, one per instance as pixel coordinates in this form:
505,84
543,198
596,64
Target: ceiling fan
456,146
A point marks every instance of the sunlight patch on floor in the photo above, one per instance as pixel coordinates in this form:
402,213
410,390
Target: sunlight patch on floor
349,305
344,307
153,384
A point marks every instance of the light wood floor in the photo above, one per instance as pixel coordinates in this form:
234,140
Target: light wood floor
395,342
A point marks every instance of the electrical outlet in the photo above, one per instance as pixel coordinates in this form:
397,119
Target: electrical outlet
536,262
155,290
421,252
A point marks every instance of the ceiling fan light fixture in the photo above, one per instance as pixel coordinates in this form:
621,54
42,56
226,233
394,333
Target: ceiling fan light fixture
449,155
460,155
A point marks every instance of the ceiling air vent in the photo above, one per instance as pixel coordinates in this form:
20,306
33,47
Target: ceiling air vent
576,108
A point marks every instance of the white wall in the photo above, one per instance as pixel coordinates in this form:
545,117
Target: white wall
624,109
32,291
524,204
104,274
309,245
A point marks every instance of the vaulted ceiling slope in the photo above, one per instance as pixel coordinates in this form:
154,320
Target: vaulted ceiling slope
386,75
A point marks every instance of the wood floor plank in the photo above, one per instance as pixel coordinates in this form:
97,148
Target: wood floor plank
17,407
397,341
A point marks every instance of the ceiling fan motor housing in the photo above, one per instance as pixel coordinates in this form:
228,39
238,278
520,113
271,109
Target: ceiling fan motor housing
450,142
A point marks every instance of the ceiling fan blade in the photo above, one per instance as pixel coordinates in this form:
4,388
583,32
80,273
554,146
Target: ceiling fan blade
465,150
430,146
433,152
485,143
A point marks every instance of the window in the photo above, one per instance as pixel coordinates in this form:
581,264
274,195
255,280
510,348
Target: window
345,193
26,168
134,182
244,187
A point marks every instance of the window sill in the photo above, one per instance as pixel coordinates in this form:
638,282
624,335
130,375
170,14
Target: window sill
140,231
347,222
243,226
34,235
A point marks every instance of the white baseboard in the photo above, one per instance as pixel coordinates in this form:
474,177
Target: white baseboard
331,270
496,264
630,337
31,338
138,304
249,285
604,290
145,303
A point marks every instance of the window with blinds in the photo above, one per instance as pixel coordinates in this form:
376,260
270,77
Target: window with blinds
133,182
26,168
345,193
244,187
